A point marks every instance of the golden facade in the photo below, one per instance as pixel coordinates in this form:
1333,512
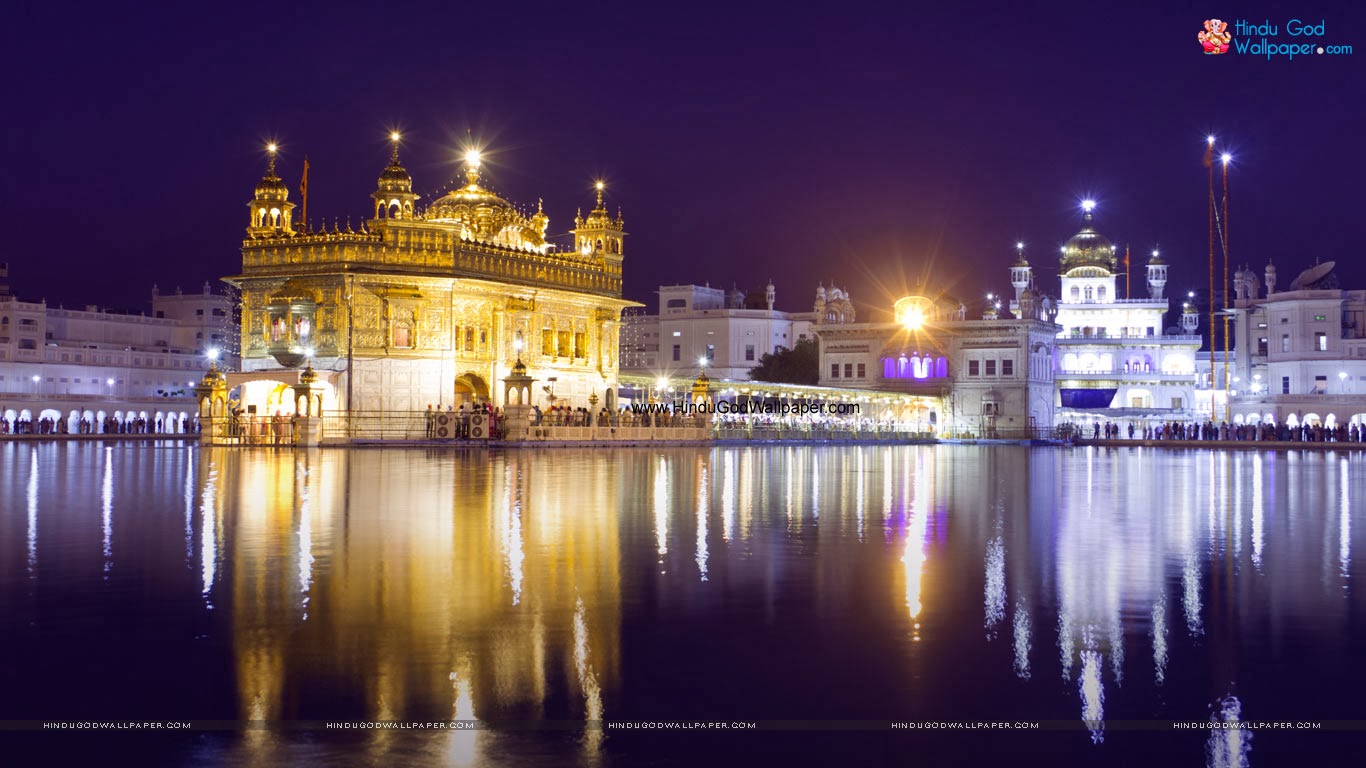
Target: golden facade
432,306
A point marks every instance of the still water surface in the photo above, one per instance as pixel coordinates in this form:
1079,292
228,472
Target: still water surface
1097,589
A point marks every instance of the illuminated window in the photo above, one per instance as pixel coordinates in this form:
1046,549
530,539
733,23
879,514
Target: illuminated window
1285,342
1321,341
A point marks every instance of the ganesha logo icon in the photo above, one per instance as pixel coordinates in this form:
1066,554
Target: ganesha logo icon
1215,38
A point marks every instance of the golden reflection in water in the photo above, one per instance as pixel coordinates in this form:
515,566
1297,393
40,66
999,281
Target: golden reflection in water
917,531
450,584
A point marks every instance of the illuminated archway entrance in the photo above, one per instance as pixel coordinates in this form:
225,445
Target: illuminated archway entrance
471,388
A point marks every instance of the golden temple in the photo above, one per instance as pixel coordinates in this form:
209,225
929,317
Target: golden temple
428,306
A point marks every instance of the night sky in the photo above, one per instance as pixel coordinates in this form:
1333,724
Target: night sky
870,145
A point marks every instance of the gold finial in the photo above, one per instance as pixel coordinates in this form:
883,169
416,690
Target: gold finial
600,187
271,148
538,206
394,137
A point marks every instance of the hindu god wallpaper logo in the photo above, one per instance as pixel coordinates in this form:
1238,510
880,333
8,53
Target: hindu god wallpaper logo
1216,37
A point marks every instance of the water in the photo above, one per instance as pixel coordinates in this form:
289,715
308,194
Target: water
1100,592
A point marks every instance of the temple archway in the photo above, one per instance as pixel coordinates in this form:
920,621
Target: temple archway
471,388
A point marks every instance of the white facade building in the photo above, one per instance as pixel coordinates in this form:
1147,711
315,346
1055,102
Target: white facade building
68,365
1300,353
731,330
991,377
1114,359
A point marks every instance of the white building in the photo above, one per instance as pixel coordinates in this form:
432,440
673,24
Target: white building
1114,359
68,365
989,377
731,330
1300,353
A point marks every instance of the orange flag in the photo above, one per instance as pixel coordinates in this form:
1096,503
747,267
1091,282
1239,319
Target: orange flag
303,191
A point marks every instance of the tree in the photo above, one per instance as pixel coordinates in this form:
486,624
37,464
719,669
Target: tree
799,365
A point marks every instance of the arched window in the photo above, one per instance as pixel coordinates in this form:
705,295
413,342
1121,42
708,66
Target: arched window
1088,293
889,368
1100,293
1076,293
941,368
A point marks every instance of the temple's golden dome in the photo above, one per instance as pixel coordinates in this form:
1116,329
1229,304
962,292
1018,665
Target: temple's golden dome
270,185
1088,248
395,174
484,216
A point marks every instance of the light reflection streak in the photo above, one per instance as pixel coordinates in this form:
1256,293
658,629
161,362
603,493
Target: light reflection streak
512,541
728,497
916,532
1190,599
1344,525
1021,639
208,526
815,489
1228,747
703,502
858,496
994,591
661,508
305,541
32,498
1257,512
1160,641
588,680
1066,646
189,505
1092,690
107,509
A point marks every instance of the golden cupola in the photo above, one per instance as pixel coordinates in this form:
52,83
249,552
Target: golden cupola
1088,253
271,213
393,195
599,233
483,216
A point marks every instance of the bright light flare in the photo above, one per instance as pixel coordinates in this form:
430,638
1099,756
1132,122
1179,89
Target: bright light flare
1088,205
1210,139
600,185
272,147
1227,158
472,158
393,136
913,320
213,353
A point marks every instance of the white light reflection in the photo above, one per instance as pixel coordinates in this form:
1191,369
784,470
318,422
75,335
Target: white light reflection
1021,639
189,506
994,592
1190,598
463,748
1257,512
728,497
815,489
588,680
305,541
1092,690
1160,640
661,509
1228,747
703,502
1344,527
107,510
858,495
1066,647
33,514
208,526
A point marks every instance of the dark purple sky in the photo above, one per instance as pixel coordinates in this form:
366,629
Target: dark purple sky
864,145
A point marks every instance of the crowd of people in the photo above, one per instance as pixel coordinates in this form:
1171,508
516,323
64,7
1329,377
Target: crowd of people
170,424
1209,431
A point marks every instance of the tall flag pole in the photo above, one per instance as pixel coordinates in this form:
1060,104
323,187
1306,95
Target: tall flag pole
1209,164
1224,226
303,191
